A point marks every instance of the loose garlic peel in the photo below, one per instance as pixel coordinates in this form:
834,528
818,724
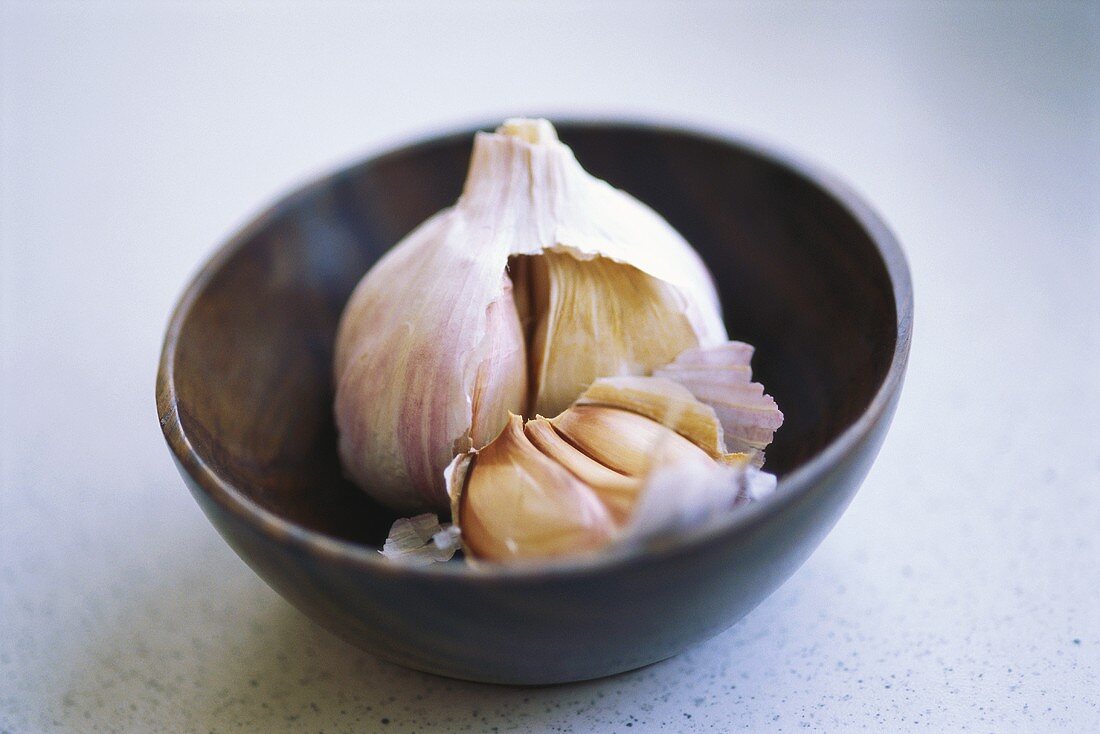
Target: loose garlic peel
539,280
721,377
570,484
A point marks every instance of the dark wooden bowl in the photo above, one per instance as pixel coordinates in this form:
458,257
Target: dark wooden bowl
806,271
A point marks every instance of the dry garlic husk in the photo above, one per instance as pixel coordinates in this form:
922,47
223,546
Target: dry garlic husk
539,280
421,541
721,377
607,470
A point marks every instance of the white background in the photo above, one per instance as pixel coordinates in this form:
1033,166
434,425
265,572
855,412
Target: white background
961,589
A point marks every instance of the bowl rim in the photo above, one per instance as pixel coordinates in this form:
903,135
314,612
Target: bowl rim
791,487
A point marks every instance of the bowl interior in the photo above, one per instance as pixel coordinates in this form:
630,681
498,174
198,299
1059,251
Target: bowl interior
798,275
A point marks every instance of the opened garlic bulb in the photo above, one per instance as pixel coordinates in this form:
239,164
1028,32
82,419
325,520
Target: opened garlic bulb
539,280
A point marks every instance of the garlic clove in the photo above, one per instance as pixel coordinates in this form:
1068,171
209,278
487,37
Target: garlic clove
518,503
600,318
623,441
500,387
664,401
626,444
616,491
404,390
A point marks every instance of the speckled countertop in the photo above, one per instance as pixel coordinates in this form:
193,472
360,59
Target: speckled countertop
960,591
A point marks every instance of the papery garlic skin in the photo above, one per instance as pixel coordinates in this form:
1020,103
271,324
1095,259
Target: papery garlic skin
681,498
427,336
420,541
721,377
501,381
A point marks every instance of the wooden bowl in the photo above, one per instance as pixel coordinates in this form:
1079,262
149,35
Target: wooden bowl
806,271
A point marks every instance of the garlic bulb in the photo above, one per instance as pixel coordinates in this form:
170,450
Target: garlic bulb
538,281
604,471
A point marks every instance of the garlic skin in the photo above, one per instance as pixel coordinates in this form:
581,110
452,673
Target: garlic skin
681,498
721,377
487,307
420,541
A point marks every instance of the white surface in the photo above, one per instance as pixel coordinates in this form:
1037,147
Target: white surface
962,587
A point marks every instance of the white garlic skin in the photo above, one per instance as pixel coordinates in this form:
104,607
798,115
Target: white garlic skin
413,340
